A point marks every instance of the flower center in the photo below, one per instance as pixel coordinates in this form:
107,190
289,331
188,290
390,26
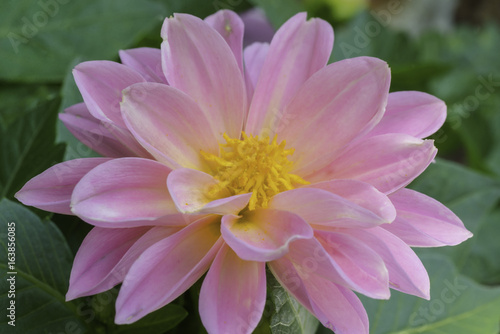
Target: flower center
252,164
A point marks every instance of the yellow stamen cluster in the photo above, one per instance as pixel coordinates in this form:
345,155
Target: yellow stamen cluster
255,165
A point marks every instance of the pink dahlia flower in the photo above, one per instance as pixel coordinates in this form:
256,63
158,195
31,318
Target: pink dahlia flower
222,160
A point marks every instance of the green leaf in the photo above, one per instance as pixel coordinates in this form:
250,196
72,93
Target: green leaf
278,11
472,197
287,314
458,305
27,147
42,266
155,323
39,39
17,100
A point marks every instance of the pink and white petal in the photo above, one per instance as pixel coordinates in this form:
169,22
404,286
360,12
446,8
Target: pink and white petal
124,192
101,83
387,162
94,133
424,222
233,294
190,190
310,258
349,100
358,261
362,194
264,234
52,189
286,68
167,269
321,207
230,26
198,61
254,56
406,271
146,61
286,274
101,250
417,114
336,307
169,124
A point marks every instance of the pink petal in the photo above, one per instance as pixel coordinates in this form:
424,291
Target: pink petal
104,138
406,271
424,222
362,194
299,49
230,26
310,258
414,113
285,272
51,190
254,56
198,61
264,234
106,255
101,83
388,162
146,61
190,192
321,207
100,252
336,307
124,193
169,124
167,269
349,99
358,261
233,294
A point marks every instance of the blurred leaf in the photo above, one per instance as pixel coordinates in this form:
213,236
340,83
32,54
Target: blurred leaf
458,305
482,259
288,315
27,147
38,40
278,11
73,228
17,100
155,323
43,263
472,197
204,8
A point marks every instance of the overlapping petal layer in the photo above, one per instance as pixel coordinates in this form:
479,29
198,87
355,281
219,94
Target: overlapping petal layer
125,192
263,235
155,279
198,61
283,71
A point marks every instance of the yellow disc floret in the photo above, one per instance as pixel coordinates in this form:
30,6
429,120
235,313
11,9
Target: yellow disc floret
252,164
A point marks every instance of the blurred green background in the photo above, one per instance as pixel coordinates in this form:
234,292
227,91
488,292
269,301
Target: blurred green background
448,48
